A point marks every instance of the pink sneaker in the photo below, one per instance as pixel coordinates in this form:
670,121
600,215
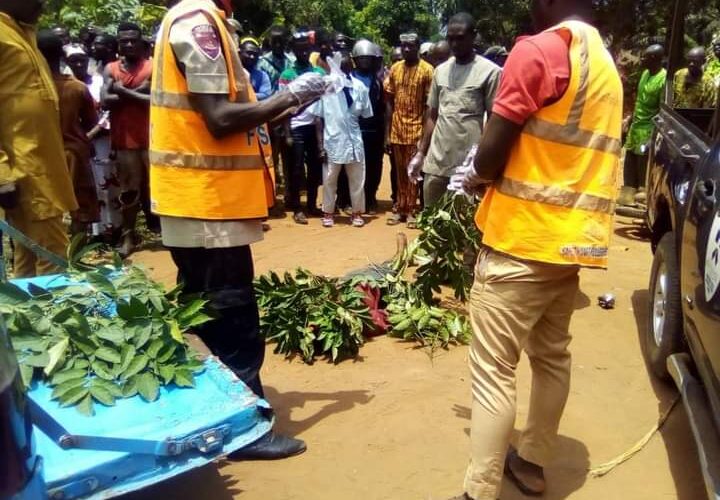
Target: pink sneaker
357,220
328,220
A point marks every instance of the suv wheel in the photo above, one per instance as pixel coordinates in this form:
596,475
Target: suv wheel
664,334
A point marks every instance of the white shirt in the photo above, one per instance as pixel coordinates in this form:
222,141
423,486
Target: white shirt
341,130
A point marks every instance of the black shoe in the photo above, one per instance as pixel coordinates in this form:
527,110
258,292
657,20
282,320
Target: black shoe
270,447
315,212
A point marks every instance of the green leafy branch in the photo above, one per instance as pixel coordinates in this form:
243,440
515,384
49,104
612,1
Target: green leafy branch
114,334
312,315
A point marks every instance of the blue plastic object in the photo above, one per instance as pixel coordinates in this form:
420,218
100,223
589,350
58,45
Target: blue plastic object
134,444
220,415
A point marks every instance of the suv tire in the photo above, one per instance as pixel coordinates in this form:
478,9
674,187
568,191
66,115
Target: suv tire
664,331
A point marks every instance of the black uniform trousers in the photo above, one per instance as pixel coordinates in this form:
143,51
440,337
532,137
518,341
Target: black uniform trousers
225,278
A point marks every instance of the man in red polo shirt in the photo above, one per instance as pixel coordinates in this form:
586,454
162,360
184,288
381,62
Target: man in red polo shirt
549,159
127,94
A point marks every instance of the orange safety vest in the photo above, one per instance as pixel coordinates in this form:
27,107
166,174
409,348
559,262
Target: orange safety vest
193,174
555,200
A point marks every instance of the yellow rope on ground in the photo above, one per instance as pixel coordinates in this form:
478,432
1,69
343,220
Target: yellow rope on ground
601,470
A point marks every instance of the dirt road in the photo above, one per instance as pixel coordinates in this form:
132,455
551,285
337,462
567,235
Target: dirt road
393,424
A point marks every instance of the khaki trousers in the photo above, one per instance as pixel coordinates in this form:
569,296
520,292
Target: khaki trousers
516,306
49,233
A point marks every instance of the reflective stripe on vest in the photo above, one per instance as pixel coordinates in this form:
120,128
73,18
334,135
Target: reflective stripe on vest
170,100
555,200
570,133
555,195
192,173
210,162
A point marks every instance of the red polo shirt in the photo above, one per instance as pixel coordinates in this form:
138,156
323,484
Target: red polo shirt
536,74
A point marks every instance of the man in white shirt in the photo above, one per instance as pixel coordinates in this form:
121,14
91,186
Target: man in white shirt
342,141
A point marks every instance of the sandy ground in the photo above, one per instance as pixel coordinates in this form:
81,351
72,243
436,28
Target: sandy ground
394,424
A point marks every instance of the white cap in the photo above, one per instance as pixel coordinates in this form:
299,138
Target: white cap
73,49
426,47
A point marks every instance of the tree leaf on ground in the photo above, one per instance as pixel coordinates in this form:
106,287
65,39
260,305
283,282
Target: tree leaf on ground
13,295
26,374
86,406
102,395
130,389
127,354
77,324
148,386
108,354
184,378
65,375
187,311
167,372
101,283
37,360
33,343
157,303
197,320
112,387
175,332
62,389
194,365
166,352
154,348
72,396
143,332
57,355
102,370
86,345
111,333
137,365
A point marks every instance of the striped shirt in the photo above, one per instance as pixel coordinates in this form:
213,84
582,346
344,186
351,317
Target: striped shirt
409,87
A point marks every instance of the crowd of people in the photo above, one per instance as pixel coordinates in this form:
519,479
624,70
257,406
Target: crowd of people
198,133
694,86
423,108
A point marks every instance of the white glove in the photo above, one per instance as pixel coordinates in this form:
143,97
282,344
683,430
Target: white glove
307,87
415,166
464,174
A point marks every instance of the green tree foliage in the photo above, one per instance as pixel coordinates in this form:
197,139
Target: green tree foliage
103,14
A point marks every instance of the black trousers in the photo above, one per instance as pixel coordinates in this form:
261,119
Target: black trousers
393,179
635,170
225,278
374,152
280,153
304,151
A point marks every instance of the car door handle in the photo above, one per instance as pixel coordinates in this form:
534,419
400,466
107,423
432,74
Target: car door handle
706,194
686,154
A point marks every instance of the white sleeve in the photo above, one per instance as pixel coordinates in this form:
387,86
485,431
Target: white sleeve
198,48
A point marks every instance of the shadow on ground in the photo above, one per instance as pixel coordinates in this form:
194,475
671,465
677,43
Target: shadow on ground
631,231
337,402
565,475
205,482
676,434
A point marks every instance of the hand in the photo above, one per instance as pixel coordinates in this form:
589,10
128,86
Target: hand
308,87
471,182
8,196
322,155
414,168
